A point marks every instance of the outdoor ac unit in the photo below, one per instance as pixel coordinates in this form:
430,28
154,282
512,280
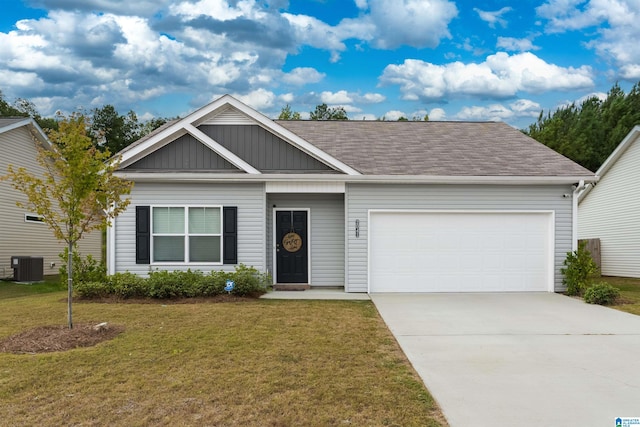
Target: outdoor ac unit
27,268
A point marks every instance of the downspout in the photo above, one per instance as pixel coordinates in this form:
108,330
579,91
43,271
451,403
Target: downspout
574,214
111,248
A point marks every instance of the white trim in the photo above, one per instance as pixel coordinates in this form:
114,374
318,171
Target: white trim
220,150
292,186
185,235
167,176
273,259
551,237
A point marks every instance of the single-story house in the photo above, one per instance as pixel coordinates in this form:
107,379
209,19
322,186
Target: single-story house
23,233
610,210
371,206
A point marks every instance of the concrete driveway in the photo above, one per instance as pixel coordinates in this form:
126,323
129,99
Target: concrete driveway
533,359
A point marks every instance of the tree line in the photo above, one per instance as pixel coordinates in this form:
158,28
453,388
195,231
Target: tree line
588,132
109,130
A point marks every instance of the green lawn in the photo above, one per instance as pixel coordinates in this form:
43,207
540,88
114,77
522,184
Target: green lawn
254,363
13,290
629,291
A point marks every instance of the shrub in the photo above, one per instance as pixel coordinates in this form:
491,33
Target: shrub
86,269
601,293
579,267
92,289
164,284
127,285
248,281
213,283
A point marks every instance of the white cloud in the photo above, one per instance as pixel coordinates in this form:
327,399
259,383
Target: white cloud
394,115
517,45
286,97
417,23
617,30
315,33
372,98
259,99
218,9
499,76
340,97
302,75
493,18
493,112
500,112
437,114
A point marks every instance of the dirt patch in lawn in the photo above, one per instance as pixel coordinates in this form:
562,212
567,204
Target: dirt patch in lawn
46,339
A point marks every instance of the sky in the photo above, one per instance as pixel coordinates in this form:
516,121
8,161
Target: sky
494,60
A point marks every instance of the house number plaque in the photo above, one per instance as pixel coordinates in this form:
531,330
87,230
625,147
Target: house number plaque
292,242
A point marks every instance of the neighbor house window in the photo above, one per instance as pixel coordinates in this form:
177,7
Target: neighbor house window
187,234
33,218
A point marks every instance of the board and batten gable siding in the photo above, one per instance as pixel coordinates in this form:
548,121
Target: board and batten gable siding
248,198
263,150
611,213
360,198
21,238
326,233
185,153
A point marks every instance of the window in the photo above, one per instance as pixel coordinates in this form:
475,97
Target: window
33,218
191,234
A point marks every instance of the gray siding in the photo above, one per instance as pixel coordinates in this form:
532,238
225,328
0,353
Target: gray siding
185,153
249,198
610,212
360,198
327,233
263,150
18,237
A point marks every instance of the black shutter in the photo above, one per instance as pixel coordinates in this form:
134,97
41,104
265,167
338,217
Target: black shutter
143,235
230,235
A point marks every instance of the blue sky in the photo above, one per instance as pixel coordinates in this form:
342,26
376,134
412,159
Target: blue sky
453,60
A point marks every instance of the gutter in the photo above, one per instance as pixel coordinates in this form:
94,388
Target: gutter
205,177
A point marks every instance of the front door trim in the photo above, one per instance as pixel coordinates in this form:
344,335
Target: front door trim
275,237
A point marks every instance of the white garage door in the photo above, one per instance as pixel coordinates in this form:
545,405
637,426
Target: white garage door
460,251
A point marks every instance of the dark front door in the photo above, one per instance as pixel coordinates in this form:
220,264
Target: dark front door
292,255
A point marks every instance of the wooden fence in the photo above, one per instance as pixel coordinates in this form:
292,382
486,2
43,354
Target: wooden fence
593,246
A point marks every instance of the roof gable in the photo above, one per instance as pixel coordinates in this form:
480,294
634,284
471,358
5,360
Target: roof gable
8,124
225,111
626,147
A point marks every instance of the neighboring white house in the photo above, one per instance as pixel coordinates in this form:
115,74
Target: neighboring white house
22,233
610,210
371,206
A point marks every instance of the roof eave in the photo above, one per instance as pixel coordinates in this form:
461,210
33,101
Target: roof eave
373,179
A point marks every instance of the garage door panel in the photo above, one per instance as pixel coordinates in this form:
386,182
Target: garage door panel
459,252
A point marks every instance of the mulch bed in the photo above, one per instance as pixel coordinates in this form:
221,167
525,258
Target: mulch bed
46,339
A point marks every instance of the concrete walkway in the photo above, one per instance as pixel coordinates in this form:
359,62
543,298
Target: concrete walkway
534,359
316,293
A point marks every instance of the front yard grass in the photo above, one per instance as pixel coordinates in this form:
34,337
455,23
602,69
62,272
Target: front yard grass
252,363
10,289
629,292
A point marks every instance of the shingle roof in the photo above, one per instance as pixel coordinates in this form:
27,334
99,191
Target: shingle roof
434,148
